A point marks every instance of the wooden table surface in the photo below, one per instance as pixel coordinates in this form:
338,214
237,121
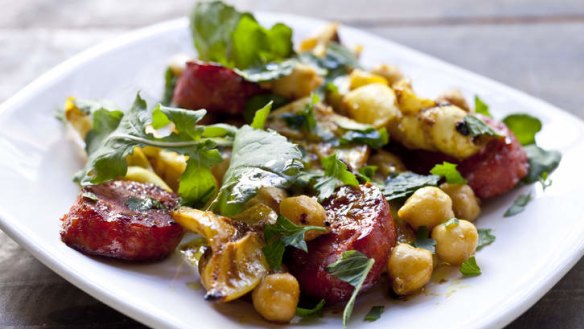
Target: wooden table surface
536,46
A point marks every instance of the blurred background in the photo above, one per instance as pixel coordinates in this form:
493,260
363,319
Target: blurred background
536,46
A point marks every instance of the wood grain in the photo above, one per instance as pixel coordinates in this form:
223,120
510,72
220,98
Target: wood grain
534,45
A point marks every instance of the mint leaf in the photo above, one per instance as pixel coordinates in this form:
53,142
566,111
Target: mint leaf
523,126
374,313
260,117
405,184
473,126
449,172
518,205
282,234
469,267
482,107
259,158
352,267
423,240
335,175
485,238
541,162
316,311
376,138
169,85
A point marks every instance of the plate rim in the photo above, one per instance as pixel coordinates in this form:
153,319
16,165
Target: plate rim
516,306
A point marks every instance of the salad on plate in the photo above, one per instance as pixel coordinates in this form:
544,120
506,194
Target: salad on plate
293,174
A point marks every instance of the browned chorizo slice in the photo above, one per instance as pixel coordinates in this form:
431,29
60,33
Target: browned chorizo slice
359,220
123,220
213,87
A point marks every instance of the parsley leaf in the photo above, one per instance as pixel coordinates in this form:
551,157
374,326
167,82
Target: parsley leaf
258,101
470,267
485,238
104,123
222,34
335,175
282,234
303,120
448,170
518,205
367,172
90,195
423,240
316,311
404,184
259,158
540,162
144,204
474,127
269,72
523,126
376,138
352,267
482,107
260,117
337,61
374,313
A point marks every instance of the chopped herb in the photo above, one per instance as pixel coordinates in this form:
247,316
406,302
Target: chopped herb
260,117
482,107
540,162
518,205
352,267
335,175
544,180
338,60
305,119
368,172
375,138
258,101
269,72
469,267
523,126
90,196
423,240
285,233
169,84
374,313
485,238
473,126
144,204
451,223
404,184
449,172
316,311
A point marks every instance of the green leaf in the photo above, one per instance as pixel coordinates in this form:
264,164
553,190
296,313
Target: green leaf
185,121
473,126
374,313
423,240
282,234
352,267
337,61
518,205
259,158
144,204
482,107
212,26
261,115
258,101
269,71
451,223
316,311
449,172
169,84
485,238
104,123
523,126
540,162
335,175
89,195
470,268
303,120
197,183
368,172
405,184
376,138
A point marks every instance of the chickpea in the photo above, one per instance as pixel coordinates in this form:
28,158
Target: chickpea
374,104
409,268
276,297
304,210
428,206
464,202
454,97
270,196
456,240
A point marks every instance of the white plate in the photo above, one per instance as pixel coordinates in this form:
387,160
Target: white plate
533,249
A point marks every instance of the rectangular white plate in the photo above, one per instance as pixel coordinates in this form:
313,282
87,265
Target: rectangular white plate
37,160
